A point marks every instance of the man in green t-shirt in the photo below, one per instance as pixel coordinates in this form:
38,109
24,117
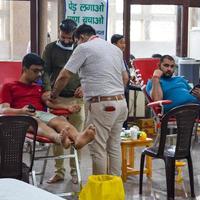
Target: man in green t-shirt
56,55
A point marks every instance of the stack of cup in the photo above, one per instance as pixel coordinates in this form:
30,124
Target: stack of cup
134,132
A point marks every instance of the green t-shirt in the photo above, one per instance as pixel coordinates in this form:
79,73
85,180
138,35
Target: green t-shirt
55,58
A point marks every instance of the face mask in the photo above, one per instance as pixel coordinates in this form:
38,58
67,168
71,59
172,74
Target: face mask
63,45
69,44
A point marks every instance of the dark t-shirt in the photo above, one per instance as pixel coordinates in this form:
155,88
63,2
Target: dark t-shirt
55,59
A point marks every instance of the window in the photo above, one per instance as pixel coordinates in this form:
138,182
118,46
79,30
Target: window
153,27
153,30
14,29
165,32
4,17
52,19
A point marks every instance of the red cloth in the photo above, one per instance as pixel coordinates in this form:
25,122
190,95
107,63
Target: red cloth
19,94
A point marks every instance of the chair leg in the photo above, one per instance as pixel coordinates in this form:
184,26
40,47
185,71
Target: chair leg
78,168
44,165
141,172
33,176
190,169
170,177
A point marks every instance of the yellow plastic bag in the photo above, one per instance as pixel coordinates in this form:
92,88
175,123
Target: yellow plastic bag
103,187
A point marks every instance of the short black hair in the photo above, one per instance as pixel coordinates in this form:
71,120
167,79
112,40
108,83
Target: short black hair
166,57
115,38
84,29
32,59
156,55
68,25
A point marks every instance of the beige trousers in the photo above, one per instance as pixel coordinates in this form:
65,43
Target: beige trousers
105,150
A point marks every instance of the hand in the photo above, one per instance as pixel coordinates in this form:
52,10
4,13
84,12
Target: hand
158,73
79,92
25,110
52,96
196,92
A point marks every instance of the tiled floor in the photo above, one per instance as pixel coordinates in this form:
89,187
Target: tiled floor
154,188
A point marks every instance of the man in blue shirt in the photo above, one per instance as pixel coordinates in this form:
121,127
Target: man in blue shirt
164,85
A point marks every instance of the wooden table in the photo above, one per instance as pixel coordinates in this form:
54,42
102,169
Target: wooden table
128,157
13,189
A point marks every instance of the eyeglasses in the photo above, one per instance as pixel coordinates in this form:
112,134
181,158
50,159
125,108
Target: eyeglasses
37,71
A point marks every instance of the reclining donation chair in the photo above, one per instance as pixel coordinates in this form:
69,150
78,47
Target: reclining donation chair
13,131
185,116
11,71
144,68
48,143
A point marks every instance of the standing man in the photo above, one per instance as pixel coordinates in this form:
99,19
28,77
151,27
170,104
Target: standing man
102,72
119,41
55,55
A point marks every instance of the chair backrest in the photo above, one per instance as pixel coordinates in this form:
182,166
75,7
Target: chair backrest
10,71
146,66
185,116
13,130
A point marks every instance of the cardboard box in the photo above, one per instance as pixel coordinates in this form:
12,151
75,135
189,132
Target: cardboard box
145,123
148,131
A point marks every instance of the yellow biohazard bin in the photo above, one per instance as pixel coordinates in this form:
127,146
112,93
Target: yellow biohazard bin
103,187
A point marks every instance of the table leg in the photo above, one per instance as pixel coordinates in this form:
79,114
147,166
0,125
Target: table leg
131,157
149,166
124,163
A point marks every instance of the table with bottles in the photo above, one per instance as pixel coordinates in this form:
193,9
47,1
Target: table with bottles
128,145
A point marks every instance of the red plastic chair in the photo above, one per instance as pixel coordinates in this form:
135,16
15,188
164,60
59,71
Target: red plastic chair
144,68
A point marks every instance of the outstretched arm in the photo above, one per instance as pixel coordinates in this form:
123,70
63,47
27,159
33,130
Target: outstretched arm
61,81
6,109
59,103
156,91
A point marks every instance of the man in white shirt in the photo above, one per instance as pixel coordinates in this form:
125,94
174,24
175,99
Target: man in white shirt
102,72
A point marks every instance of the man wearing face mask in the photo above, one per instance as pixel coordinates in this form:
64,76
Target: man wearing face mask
55,55
165,86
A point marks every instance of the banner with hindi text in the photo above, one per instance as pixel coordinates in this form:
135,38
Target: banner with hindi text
91,12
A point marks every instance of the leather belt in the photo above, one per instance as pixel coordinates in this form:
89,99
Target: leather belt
106,98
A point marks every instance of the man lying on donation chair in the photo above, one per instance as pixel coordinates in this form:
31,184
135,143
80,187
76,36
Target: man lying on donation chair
17,96
165,86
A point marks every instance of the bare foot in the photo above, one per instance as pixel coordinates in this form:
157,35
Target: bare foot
87,136
65,140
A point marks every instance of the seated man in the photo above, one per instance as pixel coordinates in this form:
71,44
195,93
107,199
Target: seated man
165,86
17,95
